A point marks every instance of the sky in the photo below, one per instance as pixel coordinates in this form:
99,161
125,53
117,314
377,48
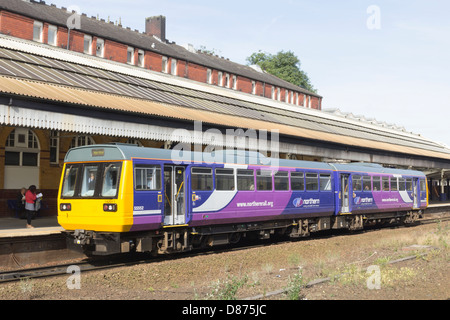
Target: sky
383,59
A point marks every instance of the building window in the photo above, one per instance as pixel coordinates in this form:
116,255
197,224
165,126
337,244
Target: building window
234,83
227,80
278,94
209,76
173,67
164,64
54,147
141,58
100,48
21,159
80,141
220,82
88,44
52,34
273,92
253,87
135,142
286,96
37,31
130,55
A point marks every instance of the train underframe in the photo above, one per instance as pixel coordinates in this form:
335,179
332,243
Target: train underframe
181,239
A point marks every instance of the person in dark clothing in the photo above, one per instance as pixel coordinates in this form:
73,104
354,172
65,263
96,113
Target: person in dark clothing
20,202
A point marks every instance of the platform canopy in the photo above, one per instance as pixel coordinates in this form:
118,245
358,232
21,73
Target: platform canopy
51,88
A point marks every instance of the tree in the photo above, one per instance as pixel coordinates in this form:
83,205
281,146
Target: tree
284,65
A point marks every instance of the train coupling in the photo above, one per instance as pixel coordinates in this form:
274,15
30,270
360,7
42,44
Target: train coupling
82,237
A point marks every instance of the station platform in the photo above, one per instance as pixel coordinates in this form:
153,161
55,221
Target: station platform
435,204
13,227
44,244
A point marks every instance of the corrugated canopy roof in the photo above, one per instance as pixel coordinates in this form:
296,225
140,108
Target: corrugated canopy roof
93,26
38,71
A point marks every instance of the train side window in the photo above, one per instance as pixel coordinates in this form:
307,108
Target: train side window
385,181
367,183
245,180
394,184
409,184
111,178
312,182
376,183
281,180
202,179
264,180
423,186
297,181
357,185
70,180
401,184
147,178
225,179
325,182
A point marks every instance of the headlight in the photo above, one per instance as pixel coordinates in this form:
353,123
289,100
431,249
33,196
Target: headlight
110,207
65,207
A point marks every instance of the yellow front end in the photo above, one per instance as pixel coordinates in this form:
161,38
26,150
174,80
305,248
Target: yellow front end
100,215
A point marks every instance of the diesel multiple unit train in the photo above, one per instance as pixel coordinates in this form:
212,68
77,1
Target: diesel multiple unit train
123,198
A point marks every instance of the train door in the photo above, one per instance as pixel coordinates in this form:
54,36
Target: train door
345,193
416,193
174,195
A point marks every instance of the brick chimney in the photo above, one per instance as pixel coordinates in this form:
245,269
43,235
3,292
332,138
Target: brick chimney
156,26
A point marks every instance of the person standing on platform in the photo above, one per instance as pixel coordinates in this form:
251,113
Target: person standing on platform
30,198
20,202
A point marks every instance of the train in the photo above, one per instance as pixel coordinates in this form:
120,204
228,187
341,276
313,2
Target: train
118,198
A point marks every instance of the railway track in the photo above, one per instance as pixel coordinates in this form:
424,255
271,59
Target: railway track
131,260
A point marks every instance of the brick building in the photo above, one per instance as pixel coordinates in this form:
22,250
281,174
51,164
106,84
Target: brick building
37,21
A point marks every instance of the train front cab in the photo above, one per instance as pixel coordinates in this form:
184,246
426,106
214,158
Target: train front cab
95,198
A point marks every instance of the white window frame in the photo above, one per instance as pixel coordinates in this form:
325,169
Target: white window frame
54,143
164,64
89,40
52,28
273,93
234,83
100,44
141,58
85,141
134,141
209,76
220,79
227,80
253,87
40,25
173,66
130,50
23,146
